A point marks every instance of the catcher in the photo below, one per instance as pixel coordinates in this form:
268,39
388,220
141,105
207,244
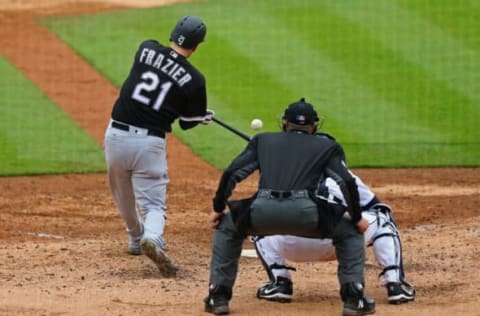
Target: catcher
382,234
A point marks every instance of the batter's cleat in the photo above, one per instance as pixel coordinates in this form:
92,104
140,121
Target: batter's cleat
361,306
279,291
399,293
134,241
216,304
134,245
166,266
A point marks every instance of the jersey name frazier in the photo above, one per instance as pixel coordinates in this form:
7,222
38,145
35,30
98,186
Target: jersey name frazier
166,65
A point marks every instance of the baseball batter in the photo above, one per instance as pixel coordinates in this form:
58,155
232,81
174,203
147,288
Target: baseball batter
162,86
382,234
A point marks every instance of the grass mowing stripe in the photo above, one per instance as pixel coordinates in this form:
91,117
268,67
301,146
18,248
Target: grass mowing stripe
295,67
425,154
353,112
36,137
457,18
253,53
234,82
429,102
420,42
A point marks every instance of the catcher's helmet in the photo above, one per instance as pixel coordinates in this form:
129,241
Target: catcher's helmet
301,113
188,32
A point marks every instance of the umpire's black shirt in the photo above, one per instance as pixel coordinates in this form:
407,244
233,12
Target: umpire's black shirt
290,161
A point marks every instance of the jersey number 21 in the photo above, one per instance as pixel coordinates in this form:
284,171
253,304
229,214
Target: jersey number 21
150,83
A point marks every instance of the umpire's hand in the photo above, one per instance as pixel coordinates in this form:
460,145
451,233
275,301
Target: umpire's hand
362,225
215,219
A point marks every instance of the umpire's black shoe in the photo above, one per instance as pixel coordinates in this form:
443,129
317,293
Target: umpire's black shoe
354,302
217,300
279,291
399,293
216,305
361,306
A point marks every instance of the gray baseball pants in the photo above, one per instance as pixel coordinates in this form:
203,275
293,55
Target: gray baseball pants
138,178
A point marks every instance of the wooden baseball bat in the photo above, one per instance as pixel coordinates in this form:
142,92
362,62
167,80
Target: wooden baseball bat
231,128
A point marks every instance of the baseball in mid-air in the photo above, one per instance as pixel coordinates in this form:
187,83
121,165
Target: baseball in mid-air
256,124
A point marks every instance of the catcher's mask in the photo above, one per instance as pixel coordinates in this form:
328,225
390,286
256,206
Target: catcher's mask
189,32
301,115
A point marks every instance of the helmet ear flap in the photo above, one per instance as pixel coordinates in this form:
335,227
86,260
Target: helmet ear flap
319,122
282,123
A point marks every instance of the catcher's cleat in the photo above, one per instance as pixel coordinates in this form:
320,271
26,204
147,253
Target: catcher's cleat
399,293
279,291
166,266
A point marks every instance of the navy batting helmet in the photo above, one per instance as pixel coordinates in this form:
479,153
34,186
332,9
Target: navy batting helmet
188,32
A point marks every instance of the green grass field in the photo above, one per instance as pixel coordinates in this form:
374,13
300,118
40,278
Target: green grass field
396,81
52,144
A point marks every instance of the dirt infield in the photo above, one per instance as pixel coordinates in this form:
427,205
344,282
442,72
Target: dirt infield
63,246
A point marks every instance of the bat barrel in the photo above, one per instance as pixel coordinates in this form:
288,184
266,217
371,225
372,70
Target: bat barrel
231,128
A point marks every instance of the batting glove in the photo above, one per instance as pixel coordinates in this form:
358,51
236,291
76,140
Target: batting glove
208,117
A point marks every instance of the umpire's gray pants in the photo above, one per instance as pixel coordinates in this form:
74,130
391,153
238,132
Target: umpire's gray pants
228,240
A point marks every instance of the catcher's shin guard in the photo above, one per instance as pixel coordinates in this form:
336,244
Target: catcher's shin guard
270,260
388,247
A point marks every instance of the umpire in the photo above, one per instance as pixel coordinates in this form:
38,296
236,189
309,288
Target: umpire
291,164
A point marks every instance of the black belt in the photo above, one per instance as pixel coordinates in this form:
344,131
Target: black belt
283,194
125,127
